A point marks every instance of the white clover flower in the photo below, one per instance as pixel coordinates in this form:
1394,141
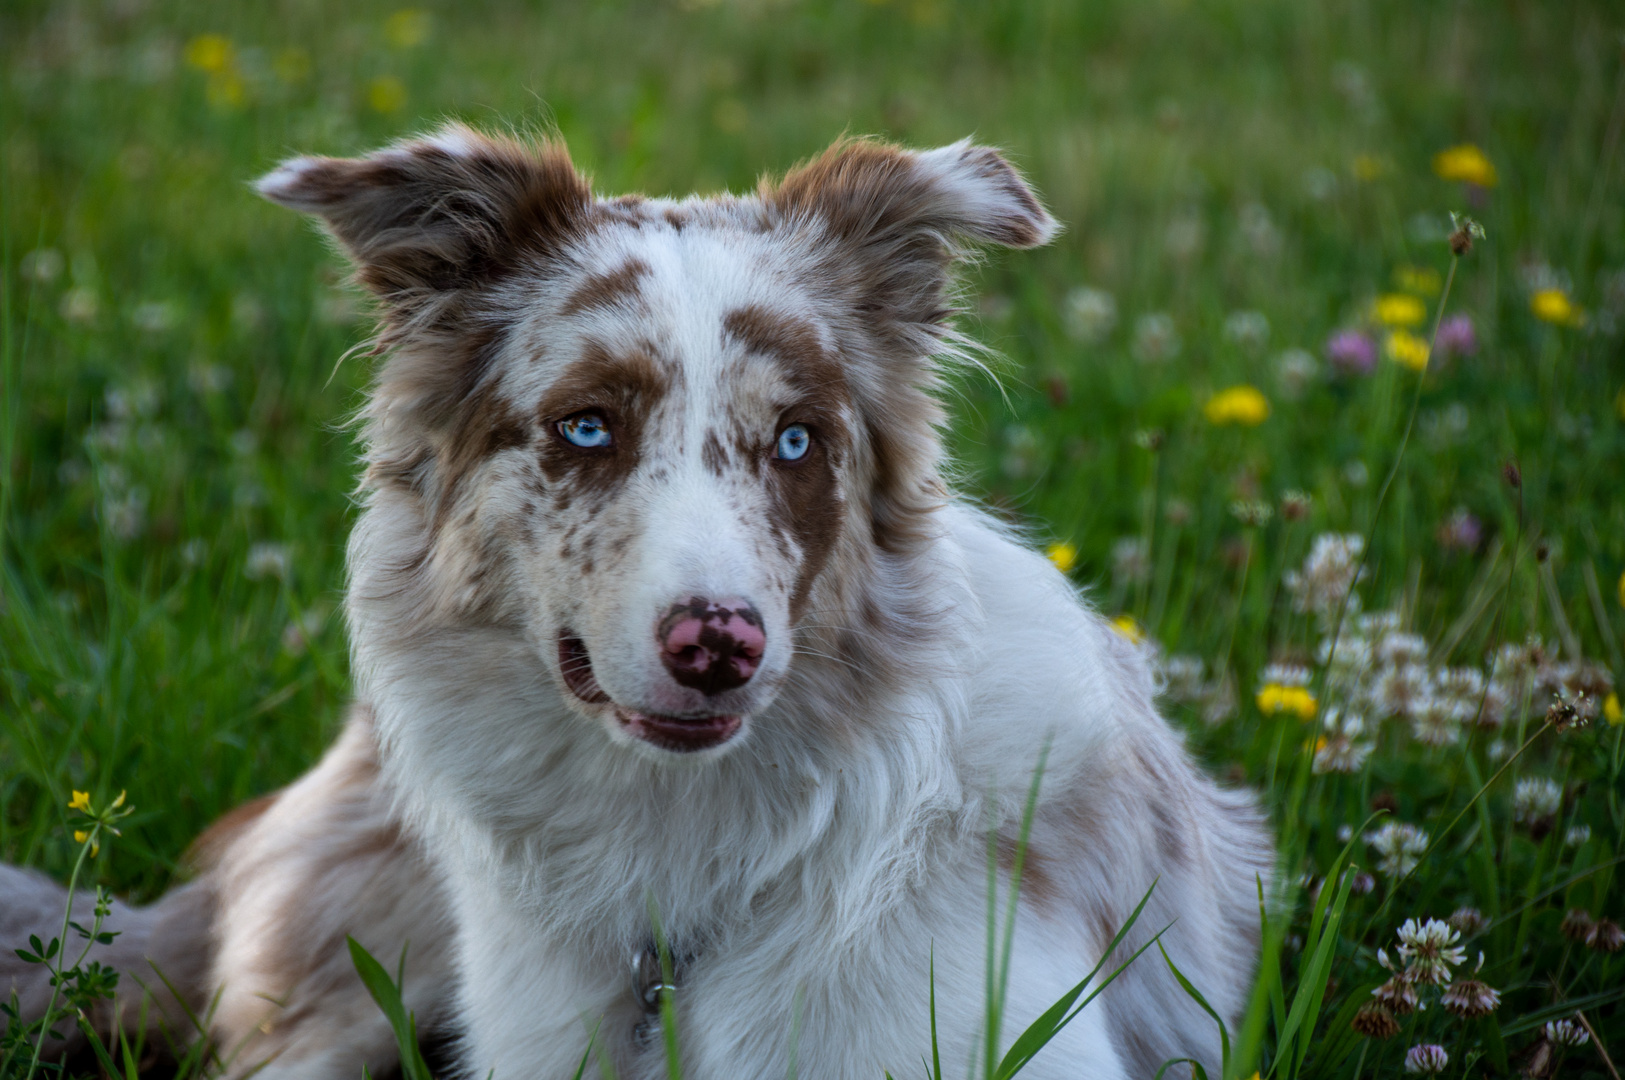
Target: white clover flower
1566,1032
1402,691
1435,721
1341,749
1131,559
1429,950
1426,1058
1182,677
1399,845
1090,314
1536,797
267,560
1284,675
1398,649
1577,835
1329,572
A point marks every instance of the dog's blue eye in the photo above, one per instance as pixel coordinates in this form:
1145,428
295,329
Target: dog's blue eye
587,430
794,442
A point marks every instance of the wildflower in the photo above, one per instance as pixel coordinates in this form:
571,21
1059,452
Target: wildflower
1461,531
1577,925
1426,1058
1402,690
1341,749
1420,280
406,28
1470,999
1251,513
1329,572
1274,699
1399,846
1611,710
1369,167
1090,314
80,801
1457,337
1535,798
1249,329
1576,835
1063,555
1407,349
267,560
1375,1022
1398,995
1436,721
1295,369
386,94
1131,559
1566,1032
1128,628
1464,230
1156,338
1605,935
1469,920
1219,704
210,53
1351,352
1238,405
1399,309
1429,950
1363,884
1295,505
1465,163
1555,307
43,265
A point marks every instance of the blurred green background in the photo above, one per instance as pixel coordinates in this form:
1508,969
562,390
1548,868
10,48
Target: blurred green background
1239,180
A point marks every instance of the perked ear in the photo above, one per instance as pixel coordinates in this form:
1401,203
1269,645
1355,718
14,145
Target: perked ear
430,216
898,217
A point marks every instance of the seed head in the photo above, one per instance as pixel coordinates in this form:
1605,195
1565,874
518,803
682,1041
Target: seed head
1295,505
1375,1022
1398,995
1463,232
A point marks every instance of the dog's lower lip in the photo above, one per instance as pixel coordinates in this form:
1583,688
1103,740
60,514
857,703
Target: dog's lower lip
679,734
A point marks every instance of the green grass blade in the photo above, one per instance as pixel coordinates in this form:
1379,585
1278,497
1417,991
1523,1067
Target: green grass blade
1196,996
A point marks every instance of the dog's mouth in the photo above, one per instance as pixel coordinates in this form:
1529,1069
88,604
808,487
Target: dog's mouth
677,734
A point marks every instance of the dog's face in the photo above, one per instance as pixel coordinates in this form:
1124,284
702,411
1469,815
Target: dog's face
666,441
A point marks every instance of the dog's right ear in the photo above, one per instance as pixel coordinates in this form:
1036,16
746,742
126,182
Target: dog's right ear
432,216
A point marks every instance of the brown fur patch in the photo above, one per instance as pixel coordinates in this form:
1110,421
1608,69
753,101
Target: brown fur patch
205,851
609,290
625,387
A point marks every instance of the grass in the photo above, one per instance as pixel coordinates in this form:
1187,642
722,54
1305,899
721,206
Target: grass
1239,180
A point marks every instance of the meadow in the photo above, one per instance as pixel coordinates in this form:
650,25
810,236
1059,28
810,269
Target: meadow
1360,495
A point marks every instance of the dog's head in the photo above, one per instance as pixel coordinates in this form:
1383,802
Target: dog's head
658,438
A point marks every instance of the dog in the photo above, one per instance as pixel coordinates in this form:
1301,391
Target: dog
683,675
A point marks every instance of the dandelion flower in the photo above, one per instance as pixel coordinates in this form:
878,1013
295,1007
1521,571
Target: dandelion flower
80,801
1470,999
1426,1058
1129,629
1566,1032
1063,555
1399,309
1555,307
1243,405
1465,163
211,53
1274,699
1407,349
386,94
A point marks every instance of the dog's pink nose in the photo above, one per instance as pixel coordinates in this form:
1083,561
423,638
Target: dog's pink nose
712,646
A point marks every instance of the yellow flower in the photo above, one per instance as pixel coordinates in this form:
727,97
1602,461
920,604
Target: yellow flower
1063,555
1126,626
1369,167
1555,307
1238,405
386,94
1404,347
1275,698
1611,711
80,801
210,52
1398,309
226,90
1466,163
1421,280
406,28
80,836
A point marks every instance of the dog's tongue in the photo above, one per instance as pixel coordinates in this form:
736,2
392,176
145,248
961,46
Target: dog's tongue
678,734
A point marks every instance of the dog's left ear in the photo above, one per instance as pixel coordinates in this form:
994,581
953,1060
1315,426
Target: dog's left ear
898,217
429,217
